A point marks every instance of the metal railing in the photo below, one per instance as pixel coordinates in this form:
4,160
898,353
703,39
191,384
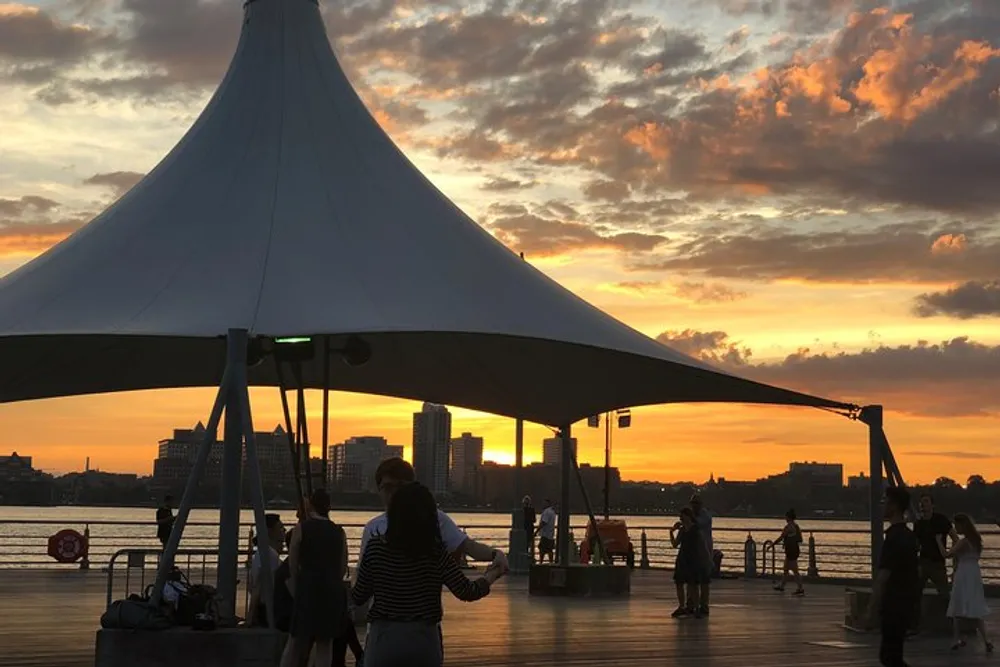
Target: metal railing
832,553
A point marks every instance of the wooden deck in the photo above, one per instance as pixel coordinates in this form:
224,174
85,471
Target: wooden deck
50,618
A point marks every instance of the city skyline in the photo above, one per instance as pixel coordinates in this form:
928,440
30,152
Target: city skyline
795,196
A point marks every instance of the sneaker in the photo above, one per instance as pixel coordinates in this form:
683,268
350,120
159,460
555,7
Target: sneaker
779,588
799,592
680,612
702,611
698,613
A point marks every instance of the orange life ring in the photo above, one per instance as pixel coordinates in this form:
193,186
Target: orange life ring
67,546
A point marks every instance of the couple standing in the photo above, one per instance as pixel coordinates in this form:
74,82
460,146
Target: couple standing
407,555
692,536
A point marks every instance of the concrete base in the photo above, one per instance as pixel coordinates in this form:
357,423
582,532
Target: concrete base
932,612
580,580
183,647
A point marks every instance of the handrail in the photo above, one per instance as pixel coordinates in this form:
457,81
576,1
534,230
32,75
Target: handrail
839,552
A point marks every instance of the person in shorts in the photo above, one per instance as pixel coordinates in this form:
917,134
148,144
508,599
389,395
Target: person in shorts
791,542
547,533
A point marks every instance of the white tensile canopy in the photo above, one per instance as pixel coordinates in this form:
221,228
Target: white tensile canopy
287,211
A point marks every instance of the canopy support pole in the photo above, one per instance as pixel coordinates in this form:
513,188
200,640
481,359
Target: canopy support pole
242,391
187,500
234,397
880,460
292,450
303,428
519,459
325,451
605,558
562,537
232,482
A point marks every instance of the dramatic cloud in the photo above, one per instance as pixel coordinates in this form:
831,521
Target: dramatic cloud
952,378
916,252
954,454
32,224
711,346
885,110
708,292
552,230
695,292
506,185
119,182
968,300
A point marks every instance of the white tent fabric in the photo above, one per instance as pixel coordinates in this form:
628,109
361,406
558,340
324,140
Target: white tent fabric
286,210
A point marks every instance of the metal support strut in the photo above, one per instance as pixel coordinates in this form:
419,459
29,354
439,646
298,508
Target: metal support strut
234,396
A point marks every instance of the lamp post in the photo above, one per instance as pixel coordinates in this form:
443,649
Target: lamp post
624,419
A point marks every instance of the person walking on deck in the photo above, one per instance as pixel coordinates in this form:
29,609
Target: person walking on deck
403,571
703,518
896,590
791,542
968,599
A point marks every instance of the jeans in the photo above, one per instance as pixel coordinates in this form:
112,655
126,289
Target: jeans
403,644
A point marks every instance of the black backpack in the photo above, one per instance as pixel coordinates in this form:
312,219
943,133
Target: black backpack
197,600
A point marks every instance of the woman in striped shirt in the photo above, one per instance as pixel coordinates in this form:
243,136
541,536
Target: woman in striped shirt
404,571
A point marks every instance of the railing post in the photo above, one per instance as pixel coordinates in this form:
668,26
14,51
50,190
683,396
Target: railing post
644,555
812,570
85,561
749,557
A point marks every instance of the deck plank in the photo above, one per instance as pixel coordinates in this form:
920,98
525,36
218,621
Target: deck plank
50,618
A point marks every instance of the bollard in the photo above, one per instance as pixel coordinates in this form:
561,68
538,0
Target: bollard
644,556
812,571
85,561
749,557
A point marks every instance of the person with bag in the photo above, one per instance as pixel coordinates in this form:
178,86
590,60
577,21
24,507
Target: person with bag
791,541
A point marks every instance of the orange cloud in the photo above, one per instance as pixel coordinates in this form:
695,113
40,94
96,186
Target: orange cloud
653,138
901,84
949,244
30,244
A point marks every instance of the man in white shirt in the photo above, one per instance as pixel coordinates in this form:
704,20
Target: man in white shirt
275,542
547,533
393,473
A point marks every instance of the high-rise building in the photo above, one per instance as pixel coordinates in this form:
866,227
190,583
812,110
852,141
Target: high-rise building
466,459
431,445
176,457
552,450
352,463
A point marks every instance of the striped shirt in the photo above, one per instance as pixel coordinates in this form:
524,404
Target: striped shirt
410,590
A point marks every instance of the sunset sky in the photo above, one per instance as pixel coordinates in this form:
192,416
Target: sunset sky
804,192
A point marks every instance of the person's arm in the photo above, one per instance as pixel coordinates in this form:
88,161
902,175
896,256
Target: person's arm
293,558
363,587
959,547
343,561
878,591
254,578
888,559
458,543
674,537
460,585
